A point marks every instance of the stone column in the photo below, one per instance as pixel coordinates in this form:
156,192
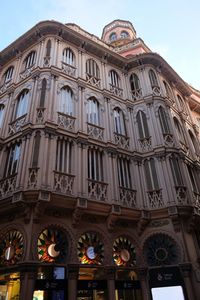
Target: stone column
27,280
186,270
72,281
110,275
143,278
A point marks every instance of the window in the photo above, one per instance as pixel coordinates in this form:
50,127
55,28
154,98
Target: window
179,130
95,164
134,82
114,78
119,121
1,114
22,104
8,74
92,68
48,48
36,149
168,90
30,60
153,79
12,160
113,36
66,101
68,57
64,156
194,179
181,103
151,175
43,92
176,172
124,175
142,125
193,142
163,120
93,111
124,34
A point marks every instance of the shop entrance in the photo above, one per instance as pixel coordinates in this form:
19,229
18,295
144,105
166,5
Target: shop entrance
127,285
9,286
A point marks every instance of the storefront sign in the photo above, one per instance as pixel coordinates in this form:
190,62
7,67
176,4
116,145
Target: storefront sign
169,276
127,284
92,285
50,284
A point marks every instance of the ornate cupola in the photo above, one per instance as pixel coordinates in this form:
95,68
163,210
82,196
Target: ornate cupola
122,36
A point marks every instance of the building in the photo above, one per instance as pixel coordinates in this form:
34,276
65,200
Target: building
100,168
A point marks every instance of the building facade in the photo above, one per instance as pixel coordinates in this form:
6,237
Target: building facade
100,168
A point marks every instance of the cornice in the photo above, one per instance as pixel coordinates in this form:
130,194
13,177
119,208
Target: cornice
92,46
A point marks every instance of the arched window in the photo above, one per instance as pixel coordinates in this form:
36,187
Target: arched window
124,34
64,156
114,78
93,111
163,120
8,74
181,103
43,92
176,171
179,130
66,101
135,86
36,149
142,125
124,175
194,179
168,90
30,60
92,69
113,36
1,114
12,160
153,79
193,142
95,164
119,121
151,175
48,48
22,104
68,57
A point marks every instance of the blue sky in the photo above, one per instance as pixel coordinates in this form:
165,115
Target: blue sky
170,28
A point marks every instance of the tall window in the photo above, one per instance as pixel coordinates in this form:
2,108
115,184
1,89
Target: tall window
93,111
194,179
151,175
134,82
124,175
179,130
36,149
1,114
153,79
66,101
142,125
48,48
113,36
119,121
64,156
176,172
8,74
68,57
114,78
163,120
92,68
12,160
30,60
181,103
22,104
43,92
95,164
193,142
168,90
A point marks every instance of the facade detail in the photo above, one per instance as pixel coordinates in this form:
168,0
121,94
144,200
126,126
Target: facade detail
100,168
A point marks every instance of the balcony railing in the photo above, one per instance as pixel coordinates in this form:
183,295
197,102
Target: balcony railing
7,186
97,190
127,197
16,125
155,199
95,131
121,140
145,144
66,121
93,80
155,90
116,90
5,85
68,69
181,194
63,183
136,94
27,72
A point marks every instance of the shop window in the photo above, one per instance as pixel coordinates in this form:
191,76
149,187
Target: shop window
10,286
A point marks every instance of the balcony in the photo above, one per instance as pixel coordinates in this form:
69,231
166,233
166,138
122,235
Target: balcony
95,131
63,183
136,94
145,144
121,140
7,186
16,125
66,121
127,197
116,90
97,190
155,199
93,80
68,69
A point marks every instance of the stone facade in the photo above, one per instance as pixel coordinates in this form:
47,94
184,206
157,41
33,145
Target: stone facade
100,167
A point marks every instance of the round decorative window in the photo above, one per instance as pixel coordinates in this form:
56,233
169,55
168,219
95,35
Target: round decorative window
124,252
161,249
52,245
11,247
90,249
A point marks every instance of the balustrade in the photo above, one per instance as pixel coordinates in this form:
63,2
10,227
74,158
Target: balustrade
136,94
63,183
95,131
121,140
97,190
68,69
93,80
66,121
155,199
7,186
16,125
145,144
127,197
116,90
